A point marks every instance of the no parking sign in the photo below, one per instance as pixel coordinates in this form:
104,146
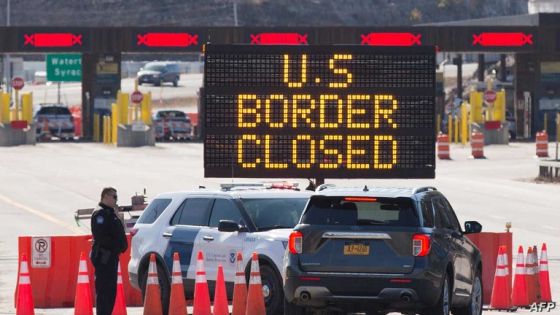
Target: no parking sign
40,252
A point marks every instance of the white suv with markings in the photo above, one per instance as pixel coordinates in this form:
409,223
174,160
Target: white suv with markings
219,223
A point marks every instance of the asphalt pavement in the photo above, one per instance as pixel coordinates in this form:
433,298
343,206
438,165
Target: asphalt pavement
42,185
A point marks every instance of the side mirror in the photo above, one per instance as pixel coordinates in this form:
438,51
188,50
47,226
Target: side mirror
472,227
228,226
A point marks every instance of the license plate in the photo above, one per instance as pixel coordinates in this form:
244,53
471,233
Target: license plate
356,249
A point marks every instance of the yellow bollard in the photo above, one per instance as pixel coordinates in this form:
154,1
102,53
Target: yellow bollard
16,116
500,106
114,122
106,129
147,108
438,124
475,100
557,127
456,131
96,127
122,102
450,127
27,107
4,108
464,124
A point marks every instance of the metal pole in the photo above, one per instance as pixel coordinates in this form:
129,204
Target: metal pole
503,75
460,76
58,96
8,13
7,72
481,67
235,13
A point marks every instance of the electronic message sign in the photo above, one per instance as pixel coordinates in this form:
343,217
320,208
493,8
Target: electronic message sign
158,38
53,39
319,111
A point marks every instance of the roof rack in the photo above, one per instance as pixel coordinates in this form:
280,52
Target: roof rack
233,186
423,189
324,186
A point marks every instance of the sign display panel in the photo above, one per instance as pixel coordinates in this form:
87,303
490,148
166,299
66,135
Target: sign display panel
53,39
319,111
64,67
154,39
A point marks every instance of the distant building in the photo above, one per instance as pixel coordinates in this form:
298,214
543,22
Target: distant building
544,6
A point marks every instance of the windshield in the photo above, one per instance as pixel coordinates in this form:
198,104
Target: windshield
154,67
274,213
361,211
171,114
54,110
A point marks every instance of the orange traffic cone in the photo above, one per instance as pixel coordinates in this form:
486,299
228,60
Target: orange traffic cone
239,288
519,295
177,302
544,278
255,298
120,303
82,301
501,290
201,304
24,293
530,276
220,295
152,300
536,274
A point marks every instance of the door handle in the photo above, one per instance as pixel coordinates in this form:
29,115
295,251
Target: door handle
167,234
208,238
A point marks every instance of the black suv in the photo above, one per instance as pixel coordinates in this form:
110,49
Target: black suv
382,250
158,73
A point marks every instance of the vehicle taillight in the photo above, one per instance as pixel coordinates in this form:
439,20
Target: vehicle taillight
421,244
133,232
295,242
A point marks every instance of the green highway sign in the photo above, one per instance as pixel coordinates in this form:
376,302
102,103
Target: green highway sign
64,67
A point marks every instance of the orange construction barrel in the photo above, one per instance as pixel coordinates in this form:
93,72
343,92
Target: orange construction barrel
443,151
477,145
542,144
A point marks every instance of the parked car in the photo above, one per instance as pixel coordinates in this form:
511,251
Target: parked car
158,73
220,223
172,124
381,250
54,120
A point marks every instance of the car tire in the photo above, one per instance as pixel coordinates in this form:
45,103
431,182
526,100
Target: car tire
176,82
293,309
272,283
475,305
443,304
158,82
165,289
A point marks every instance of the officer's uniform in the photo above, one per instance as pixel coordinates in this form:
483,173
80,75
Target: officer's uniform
109,241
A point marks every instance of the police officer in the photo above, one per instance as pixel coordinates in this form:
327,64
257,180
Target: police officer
109,241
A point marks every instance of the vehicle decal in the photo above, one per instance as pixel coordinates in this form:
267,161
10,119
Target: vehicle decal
181,241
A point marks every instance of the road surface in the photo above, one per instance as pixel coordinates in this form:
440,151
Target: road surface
71,93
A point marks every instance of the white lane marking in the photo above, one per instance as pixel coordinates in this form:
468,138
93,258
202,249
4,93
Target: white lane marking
41,214
550,227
